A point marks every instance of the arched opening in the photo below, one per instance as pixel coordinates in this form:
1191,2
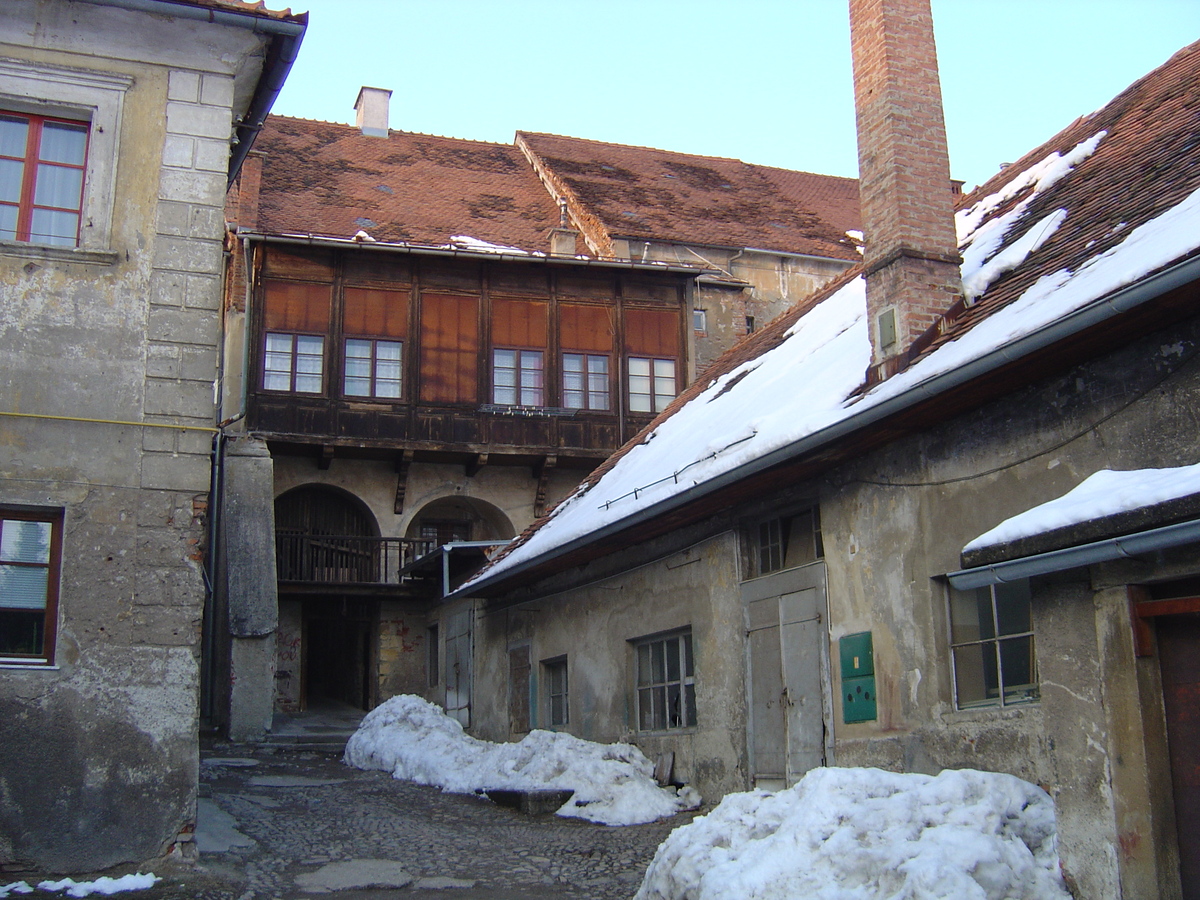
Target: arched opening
326,540
450,519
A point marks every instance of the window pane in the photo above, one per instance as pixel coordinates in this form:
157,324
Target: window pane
63,143
674,706
358,368
658,662
11,173
58,186
22,631
646,709
309,359
8,223
387,368
1017,667
688,665
975,675
971,615
639,385
672,652
504,377
689,700
573,396
22,541
643,664
531,378
23,587
14,134
1012,607
53,227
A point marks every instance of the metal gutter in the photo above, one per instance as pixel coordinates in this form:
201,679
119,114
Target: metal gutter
1177,535
1096,312
426,250
276,66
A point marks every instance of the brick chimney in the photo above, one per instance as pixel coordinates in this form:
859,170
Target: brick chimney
562,238
371,111
911,257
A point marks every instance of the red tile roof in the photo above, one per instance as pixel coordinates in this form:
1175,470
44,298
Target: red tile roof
327,179
258,8
637,192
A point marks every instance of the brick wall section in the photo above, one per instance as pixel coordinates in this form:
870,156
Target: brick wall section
911,255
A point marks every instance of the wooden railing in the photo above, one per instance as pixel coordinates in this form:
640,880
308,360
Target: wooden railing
342,559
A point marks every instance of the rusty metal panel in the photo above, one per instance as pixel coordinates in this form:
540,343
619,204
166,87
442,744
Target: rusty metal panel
1179,656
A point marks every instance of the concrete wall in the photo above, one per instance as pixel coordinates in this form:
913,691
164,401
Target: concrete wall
98,752
886,547
593,626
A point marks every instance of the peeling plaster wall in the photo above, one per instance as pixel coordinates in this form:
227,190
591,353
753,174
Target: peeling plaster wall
98,753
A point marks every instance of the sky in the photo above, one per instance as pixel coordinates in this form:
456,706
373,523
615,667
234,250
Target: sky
764,81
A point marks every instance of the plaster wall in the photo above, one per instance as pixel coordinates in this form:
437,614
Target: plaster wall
98,752
594,626
896,521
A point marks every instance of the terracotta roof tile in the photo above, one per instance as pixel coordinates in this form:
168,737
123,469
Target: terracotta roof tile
328,179
638,192
258,8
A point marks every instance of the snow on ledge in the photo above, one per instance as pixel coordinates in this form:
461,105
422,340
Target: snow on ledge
1106,493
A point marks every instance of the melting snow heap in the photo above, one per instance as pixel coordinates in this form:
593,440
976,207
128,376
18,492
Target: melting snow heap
867,834
415,741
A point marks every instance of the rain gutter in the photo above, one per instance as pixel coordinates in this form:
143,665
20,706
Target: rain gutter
423,250
1093,314
278,63
1177,535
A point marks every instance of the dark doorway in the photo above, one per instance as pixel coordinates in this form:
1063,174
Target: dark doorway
339,640
1179,655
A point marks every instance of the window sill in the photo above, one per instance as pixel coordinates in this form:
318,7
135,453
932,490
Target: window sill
6,664
59,254
669,732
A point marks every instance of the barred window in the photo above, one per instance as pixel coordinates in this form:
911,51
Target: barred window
666,692
991,644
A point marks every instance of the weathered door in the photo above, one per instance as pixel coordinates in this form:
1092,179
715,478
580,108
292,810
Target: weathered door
458,666
1179,655
787,666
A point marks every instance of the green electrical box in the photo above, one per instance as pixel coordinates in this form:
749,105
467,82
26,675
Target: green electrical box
858,677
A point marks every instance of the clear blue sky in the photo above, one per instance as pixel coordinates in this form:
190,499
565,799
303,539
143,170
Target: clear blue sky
765,81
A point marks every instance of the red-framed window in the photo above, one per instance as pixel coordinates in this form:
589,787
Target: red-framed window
42,162
30,560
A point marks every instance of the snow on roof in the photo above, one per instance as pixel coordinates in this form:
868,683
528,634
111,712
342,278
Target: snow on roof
808,382
867,833
1106,493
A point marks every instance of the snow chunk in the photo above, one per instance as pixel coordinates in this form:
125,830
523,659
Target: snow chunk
103,885
1106,493
868,834
415,741
15,887
982,265
466,242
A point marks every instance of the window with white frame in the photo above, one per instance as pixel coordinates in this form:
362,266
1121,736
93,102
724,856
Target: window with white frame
666,692
585,381
651,384
991,646
294,362
558,707
59,134
373,368
517,377
30,557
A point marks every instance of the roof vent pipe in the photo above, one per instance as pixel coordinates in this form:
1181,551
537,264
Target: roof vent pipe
371,111
910,258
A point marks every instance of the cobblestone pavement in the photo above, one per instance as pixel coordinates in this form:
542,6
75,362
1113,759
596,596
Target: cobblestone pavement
290,824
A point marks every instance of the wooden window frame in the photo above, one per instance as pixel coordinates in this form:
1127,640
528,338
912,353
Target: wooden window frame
373,365
556,675
586,391
31,172
656,398
533,396
293,357
44,655
665,703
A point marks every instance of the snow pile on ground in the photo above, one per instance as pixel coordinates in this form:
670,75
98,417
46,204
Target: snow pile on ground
415,741
1105,493
867,834
103,885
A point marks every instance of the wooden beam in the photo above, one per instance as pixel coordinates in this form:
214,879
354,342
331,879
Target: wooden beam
1143,633
326,457
1176,606
403,461
542,473
473,467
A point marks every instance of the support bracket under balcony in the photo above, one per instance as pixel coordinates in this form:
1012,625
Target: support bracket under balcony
542,473
403,461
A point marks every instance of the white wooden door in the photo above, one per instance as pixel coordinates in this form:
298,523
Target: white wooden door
787,667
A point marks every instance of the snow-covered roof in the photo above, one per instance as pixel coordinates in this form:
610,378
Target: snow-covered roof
1048,241
1106,493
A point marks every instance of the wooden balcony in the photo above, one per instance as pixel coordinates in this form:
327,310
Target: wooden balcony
344,564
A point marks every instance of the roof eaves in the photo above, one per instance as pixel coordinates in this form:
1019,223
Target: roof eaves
1100,310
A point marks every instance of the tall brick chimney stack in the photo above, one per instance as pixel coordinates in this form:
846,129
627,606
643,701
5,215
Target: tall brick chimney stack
911,256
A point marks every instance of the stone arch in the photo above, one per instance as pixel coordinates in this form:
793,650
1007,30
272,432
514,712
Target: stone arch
458,518
324,509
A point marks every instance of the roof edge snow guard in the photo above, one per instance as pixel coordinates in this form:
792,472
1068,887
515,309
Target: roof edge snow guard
1178,535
